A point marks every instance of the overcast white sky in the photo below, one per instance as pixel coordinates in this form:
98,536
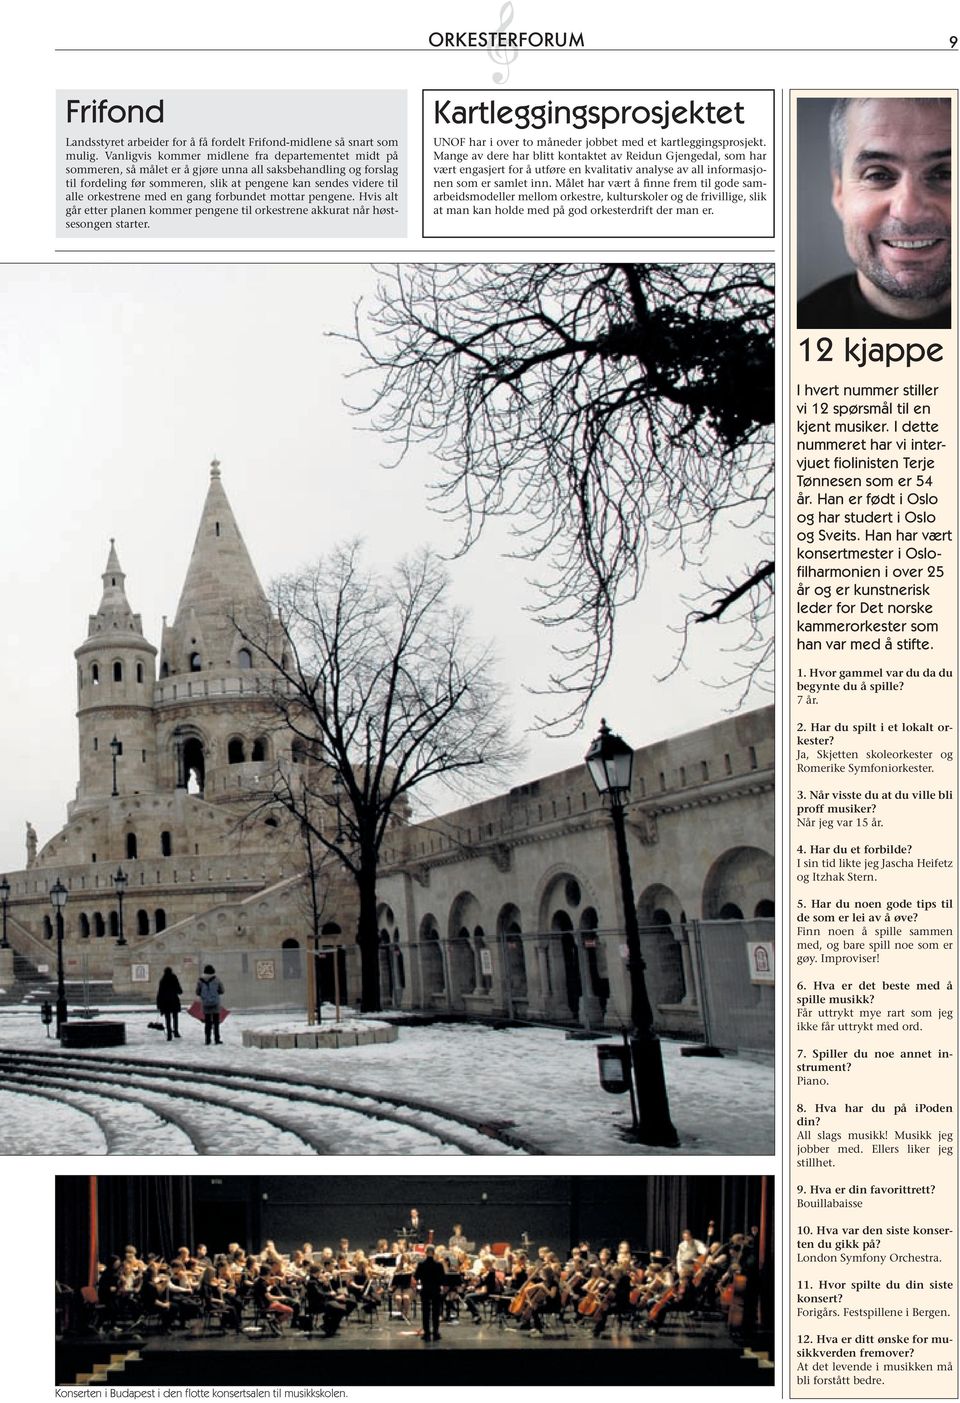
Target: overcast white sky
119,383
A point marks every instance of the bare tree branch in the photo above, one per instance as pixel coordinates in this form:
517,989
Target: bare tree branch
382,690
609,411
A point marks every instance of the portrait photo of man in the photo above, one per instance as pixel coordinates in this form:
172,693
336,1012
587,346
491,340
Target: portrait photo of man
889,163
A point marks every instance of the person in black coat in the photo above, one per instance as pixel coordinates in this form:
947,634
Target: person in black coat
168,1002
430,1274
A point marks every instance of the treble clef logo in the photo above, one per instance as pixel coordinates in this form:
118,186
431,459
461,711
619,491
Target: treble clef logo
504,57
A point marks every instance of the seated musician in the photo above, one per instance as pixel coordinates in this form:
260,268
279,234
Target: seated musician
709,1273
359,1270
615,1301
575,1276
183,1297
131,1279
595,1288
661,1291
457,1240
215,1300
520,1272
131,1255
486,1286
543,1299
155,1297
323,1301
402,1287
269,1301
109,1285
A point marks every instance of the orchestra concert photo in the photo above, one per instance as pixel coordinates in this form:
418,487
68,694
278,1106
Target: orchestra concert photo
388,1279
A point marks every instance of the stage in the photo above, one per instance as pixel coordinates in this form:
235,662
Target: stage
692,1352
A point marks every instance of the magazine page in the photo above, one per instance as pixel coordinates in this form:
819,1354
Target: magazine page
410,756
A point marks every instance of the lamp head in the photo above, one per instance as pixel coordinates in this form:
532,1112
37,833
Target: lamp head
610,762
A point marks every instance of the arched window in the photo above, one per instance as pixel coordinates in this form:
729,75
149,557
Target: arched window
99,929
164,669
244,658
143,923
193,765
166,843
290,952
139,672
235,751
118,672
298,752
95,674
131,845
259,751
159,920
47,928
195,663
114,925
764,910
84,925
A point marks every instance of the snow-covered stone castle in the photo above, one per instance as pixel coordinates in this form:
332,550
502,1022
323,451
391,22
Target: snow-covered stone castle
508,908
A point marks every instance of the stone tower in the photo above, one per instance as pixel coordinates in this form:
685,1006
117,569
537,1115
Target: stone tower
115,682
213,714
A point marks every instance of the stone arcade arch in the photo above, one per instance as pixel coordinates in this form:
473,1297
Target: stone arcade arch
738,880
595,955
574,984
463,926
391,987
510,936
190,753
332,973
432,979
561,923
663,942
291,955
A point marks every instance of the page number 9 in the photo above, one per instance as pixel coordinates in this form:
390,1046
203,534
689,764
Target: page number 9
953,41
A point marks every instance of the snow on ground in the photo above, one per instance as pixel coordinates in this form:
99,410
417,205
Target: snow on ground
532,1079
36,1125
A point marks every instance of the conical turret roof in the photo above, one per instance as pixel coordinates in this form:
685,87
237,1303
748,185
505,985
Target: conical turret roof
221,589
114,620
220,577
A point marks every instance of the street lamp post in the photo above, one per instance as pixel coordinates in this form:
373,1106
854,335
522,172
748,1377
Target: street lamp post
4,898
120,880
116,748
610,762
58,898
